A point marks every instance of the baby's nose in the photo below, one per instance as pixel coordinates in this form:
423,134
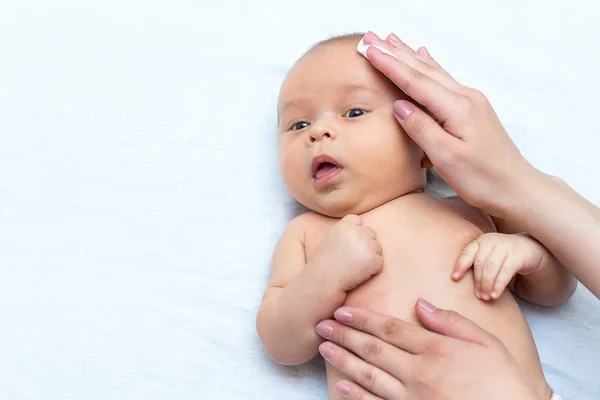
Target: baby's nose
322,131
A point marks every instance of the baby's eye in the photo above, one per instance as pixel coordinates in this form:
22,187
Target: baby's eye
355,112
299,125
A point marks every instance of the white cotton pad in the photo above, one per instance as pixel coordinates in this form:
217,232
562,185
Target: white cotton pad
362,49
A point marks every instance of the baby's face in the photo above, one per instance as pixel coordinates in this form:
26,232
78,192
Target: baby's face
341,150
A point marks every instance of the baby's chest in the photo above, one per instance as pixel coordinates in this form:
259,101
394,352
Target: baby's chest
409,236
419,252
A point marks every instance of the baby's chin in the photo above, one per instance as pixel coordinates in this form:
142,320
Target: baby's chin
338,205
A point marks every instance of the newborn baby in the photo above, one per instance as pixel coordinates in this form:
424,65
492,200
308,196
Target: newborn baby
374,238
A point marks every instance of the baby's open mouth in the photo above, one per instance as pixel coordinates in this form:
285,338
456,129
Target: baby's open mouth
324,170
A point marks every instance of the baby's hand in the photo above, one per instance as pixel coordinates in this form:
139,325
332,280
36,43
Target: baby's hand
350,253
496,258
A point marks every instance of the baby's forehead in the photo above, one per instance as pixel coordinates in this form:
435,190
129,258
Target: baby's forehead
327,67
334,67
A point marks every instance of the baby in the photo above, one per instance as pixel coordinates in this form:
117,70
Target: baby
374,238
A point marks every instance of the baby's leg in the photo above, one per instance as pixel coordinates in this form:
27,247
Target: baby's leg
333,377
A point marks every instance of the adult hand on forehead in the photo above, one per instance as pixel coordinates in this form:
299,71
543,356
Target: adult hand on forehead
468,145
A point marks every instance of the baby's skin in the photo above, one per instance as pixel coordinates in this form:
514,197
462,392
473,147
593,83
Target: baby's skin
374,238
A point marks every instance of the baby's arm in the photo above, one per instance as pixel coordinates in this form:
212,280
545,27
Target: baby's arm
301,293
297,297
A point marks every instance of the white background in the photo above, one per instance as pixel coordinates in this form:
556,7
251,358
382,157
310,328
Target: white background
140,198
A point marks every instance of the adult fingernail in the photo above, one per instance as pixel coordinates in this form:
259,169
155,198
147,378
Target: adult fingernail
371,35
343,387
394,39
324,329
427,306
403,109
495,295
343,315
326,351
423,51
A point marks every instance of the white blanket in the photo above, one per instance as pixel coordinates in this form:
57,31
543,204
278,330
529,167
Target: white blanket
140,198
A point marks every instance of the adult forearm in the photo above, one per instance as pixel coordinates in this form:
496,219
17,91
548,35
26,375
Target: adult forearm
287,321
563,221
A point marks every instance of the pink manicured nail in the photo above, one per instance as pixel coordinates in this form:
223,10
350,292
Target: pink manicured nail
343,315
403,109
394,39
326,350
427,306
343,387
324,329
371,35
423,51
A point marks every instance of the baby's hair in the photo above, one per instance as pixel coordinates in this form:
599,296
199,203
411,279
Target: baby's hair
346,37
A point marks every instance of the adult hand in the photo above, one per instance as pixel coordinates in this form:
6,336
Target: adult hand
468,145
388,358
470,149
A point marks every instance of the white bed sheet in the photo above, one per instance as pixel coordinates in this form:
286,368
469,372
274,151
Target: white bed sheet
140,198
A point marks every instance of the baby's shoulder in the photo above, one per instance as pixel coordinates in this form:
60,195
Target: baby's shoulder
476,216
308,220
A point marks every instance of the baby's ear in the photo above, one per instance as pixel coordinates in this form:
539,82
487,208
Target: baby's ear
425,163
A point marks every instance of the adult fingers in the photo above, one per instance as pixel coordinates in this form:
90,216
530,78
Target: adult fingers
437,98
422,51
394,40
430,60
414,60
402,335
438,144
368,347
366,375
450,323
352,391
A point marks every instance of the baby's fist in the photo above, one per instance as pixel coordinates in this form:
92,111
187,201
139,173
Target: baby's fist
350,252
496,258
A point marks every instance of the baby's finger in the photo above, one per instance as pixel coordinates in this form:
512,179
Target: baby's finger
506,273
491,269
376,246
370,233
377,265
465,260
478,266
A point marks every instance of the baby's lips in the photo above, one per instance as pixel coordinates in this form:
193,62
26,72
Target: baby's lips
362,49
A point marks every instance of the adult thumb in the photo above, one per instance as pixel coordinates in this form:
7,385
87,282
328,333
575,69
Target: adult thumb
450,323
423,130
